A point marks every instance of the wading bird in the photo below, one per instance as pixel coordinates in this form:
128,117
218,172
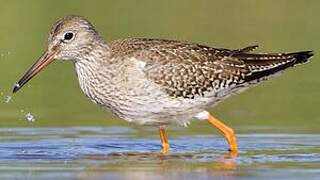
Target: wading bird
158,82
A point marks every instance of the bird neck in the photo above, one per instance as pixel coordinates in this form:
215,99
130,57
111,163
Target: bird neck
87,69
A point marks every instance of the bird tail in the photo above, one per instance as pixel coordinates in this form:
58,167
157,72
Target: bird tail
262,66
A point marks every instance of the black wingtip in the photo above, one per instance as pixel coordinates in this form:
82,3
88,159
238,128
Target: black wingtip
296,58
302,56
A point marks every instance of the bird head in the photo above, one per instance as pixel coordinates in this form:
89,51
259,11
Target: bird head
70,38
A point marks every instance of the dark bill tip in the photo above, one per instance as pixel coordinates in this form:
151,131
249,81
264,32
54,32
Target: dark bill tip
16,88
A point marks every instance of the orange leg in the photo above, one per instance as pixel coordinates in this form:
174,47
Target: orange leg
164,140
227,132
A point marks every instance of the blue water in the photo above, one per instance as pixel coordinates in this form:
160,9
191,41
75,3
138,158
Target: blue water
118,152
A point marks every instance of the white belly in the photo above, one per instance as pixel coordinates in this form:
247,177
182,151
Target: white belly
139,100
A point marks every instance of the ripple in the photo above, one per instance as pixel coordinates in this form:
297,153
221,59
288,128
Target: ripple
110,149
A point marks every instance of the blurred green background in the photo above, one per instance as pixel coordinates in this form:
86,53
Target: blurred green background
289,103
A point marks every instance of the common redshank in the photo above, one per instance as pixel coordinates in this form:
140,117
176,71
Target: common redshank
155,81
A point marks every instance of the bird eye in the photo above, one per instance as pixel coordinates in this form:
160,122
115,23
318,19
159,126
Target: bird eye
68,36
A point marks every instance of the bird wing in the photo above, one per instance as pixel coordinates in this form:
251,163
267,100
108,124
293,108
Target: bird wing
188,69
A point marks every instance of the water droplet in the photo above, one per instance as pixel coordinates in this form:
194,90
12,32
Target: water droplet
7,99
29,117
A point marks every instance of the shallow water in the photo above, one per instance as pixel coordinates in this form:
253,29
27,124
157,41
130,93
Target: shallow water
116,152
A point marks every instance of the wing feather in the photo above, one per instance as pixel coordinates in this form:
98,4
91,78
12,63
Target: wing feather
185,69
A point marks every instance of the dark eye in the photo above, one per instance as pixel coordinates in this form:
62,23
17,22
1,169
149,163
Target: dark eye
68,36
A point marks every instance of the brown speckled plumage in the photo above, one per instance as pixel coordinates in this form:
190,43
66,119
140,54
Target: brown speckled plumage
188,69
156,81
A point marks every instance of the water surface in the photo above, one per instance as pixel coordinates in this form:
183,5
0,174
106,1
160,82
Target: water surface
116,152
